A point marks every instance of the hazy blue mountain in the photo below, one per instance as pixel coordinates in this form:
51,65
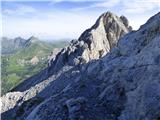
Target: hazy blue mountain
12,45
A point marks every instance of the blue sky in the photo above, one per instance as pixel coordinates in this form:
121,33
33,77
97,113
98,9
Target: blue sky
58,19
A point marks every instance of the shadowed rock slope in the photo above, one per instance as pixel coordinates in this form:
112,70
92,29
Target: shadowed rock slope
122,85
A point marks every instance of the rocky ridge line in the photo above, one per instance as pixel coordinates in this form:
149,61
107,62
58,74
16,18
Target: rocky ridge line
94,43
123,85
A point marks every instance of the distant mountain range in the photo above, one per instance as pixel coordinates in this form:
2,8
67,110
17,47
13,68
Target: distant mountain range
22,58
10,46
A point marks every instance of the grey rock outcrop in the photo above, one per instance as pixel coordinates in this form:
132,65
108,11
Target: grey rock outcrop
122,85
76,108
95,42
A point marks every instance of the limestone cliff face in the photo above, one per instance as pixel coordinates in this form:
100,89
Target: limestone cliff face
95,42
122,85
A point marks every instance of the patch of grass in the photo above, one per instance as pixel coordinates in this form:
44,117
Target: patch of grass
14,71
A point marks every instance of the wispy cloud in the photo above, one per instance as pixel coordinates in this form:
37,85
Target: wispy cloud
99,4
20,9
140,6
24,0
54,0
134,6
74,0
108,4
69,19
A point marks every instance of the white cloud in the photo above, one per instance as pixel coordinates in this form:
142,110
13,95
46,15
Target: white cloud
126,6
140,6
99,4
108,4
53,0
25,0
20,10
74,0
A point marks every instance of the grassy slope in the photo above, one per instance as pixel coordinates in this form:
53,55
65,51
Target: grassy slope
13,72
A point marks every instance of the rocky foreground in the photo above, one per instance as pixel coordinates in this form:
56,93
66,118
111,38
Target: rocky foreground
106,74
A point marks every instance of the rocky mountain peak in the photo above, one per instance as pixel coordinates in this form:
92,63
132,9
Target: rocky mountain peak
109,18
13,45
122,85
19,40
32,39
93,43
125,21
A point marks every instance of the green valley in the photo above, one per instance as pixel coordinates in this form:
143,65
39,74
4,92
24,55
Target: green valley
26,60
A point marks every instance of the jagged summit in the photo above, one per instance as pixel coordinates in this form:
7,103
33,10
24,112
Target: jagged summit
13,45
95,42
109,17
19,41
19,38
33,39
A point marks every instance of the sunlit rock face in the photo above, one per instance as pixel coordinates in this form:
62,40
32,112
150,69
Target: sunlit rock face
95,42
124,84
